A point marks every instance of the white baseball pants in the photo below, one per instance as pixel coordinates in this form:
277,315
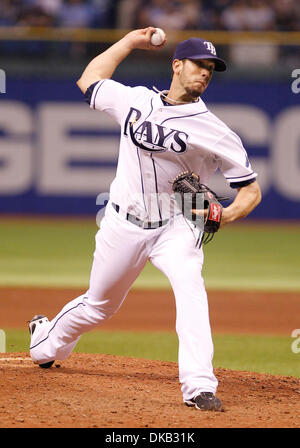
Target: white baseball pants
122,250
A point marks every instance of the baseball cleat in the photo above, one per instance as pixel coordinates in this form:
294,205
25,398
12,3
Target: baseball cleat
205,401
36,321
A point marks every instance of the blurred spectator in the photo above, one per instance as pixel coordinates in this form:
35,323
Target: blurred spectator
9,11
51,7
191,10
233,18
252,15
169,14
126,14
34,16
210,17
287,15
76,13
104,13
260,16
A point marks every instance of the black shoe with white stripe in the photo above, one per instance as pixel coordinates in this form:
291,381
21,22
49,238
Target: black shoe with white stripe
37,320
205,401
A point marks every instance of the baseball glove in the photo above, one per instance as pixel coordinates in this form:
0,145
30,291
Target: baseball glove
190,194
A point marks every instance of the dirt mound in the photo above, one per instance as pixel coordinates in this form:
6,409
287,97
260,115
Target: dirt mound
106,391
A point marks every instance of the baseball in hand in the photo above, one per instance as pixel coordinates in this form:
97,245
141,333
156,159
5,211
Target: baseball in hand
158,37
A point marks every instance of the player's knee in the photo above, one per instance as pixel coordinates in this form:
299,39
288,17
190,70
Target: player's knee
102,309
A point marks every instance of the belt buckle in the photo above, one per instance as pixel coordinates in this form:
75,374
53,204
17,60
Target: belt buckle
152,225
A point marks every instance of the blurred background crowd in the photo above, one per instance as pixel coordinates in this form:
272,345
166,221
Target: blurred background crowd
109,16
243,15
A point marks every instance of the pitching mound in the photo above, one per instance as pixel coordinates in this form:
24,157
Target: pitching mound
105,391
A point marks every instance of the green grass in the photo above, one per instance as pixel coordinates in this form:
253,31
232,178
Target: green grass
260,353
262,257
59,253
46,253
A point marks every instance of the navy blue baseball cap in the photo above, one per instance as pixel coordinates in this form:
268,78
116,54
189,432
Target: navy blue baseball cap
196,48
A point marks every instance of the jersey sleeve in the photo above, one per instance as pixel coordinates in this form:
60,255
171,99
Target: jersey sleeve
109,96
233,161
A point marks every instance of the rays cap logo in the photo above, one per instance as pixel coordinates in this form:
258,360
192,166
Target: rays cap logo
197,48
2,81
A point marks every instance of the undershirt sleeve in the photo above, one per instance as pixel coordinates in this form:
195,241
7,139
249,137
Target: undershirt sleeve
89,92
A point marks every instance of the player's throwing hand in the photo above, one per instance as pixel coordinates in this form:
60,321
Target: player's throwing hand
141,39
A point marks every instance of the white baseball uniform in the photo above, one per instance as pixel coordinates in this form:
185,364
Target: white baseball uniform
158,141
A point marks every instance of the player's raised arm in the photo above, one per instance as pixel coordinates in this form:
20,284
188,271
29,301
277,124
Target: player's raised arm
104,65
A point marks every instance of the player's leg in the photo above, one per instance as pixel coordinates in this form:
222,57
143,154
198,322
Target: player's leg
177,257
119,257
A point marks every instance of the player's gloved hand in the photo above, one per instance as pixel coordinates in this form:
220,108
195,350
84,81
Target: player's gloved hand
197,200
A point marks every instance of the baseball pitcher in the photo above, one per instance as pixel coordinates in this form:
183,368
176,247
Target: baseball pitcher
160,206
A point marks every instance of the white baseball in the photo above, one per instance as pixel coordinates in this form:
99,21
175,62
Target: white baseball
158,37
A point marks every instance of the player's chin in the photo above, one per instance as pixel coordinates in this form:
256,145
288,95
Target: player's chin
196,90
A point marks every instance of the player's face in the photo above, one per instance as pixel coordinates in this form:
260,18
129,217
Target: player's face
195,75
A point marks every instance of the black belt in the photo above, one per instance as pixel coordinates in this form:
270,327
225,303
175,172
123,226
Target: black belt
138,222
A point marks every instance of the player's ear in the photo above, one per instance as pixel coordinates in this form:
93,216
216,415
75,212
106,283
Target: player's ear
177,66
